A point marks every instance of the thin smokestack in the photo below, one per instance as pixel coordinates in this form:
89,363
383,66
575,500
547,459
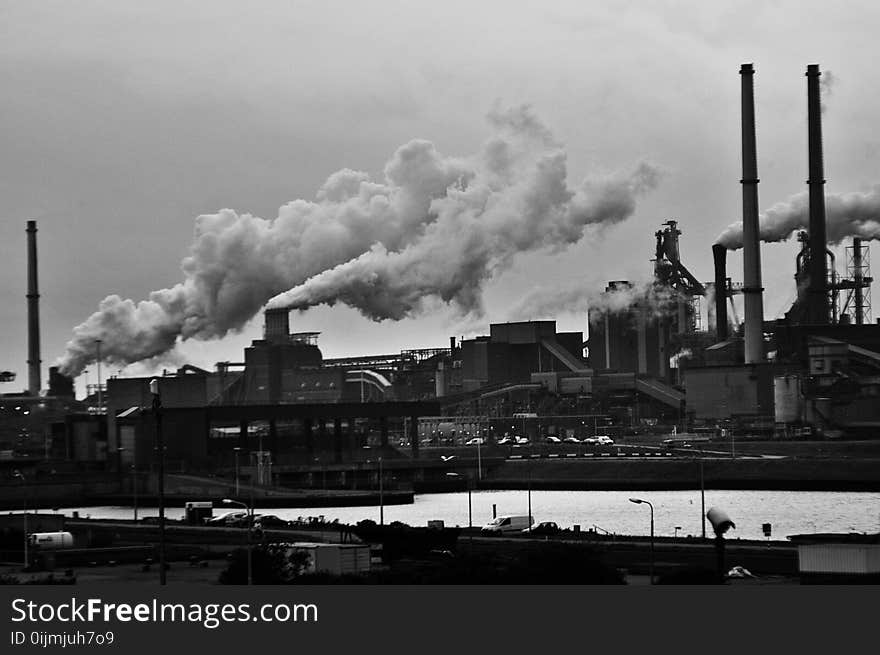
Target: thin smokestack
818,292
752,289
719,252
33,305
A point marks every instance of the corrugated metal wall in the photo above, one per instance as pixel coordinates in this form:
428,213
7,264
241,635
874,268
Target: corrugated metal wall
839,558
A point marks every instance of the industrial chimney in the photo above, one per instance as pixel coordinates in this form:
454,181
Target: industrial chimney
817,295
33,308
277,327
752,289
719,252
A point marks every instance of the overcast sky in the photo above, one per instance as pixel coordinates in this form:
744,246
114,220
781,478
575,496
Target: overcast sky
124,121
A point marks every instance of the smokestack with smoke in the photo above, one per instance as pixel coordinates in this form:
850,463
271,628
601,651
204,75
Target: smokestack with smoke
435,227
855,214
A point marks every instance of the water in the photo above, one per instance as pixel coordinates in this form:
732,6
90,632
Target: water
789,512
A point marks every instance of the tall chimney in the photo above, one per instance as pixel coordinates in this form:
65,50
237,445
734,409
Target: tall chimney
752,289
33,305
818,292
719,252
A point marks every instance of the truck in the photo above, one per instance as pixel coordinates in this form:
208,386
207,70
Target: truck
50,540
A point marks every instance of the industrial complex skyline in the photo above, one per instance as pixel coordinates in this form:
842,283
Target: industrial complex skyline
125,124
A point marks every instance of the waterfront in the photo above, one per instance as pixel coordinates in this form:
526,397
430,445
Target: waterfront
788,512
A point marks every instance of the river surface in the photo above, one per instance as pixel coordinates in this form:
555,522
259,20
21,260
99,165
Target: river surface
788,512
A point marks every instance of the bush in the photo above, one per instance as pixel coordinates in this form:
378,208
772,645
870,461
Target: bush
271,564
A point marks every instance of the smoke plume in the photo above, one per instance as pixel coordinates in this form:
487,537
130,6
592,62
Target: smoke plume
435,227
855,214
540,303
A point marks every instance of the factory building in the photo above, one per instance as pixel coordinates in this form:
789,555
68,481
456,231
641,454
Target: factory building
817,369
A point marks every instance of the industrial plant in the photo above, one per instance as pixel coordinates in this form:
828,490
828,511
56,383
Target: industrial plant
670,357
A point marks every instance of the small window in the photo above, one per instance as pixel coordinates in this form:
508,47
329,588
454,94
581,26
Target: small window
505,522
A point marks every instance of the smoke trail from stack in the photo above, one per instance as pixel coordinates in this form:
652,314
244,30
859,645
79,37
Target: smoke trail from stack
542,303
855,214
435,227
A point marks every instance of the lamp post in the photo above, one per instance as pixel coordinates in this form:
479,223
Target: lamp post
20,475
236,450
452,474
479,460
160,444
134,489
702,498
530,493
381,497
639,501
250,512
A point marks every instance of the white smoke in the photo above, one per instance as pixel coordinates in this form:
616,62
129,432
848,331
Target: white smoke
435,227
515,198
855,214
540,303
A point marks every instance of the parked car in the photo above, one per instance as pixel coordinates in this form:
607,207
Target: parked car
543,528
229,519
522,440
474,441
604,440
552,440
571,440
507,441
269,521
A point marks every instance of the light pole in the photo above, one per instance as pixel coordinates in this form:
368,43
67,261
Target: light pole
479,460
20,475
452,474
530,494
381,497
250,511
639,501
134,489
236,450
160,443
702,498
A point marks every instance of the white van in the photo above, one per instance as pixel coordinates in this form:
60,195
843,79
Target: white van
509,524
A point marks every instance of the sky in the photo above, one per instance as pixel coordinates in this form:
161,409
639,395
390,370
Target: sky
122,122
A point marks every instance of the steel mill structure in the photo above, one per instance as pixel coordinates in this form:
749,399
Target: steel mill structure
645,360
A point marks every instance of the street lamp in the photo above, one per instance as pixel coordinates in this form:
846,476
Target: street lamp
20,475
530,493
236,450
250,511
452,474
134,489
381,497
639,501
160,443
